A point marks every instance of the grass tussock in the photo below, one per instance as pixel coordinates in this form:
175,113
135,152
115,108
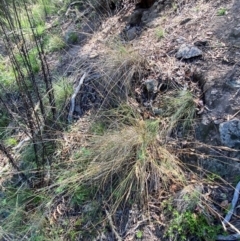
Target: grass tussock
122,67
128,163
180,109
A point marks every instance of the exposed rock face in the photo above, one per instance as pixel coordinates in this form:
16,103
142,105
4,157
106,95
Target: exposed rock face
230,133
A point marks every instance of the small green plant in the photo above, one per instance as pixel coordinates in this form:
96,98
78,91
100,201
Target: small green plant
160,33
32,59
7,77
221,11
139,234
213,177
80,195
10,141
180,108
83,152
186,224
98,128
55,43
63,90
40,29
72,38
20,204
38,14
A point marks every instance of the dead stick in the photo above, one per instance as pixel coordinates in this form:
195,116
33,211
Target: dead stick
74,97
228,217
233,204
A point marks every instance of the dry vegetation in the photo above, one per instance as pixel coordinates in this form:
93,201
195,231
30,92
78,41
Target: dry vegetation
121,171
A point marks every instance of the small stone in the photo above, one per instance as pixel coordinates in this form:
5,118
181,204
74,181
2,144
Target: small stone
131,33
230,133
151,85
188,51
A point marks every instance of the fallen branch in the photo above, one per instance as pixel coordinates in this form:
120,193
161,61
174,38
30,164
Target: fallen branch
233,204
72,107
229,216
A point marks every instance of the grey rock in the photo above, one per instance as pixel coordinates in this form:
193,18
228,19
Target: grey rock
187,51
151,85
230,133
131,33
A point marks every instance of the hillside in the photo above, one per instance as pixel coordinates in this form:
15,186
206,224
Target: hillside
120,120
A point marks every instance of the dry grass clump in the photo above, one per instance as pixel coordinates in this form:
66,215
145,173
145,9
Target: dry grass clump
180,109
122,67
128,164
